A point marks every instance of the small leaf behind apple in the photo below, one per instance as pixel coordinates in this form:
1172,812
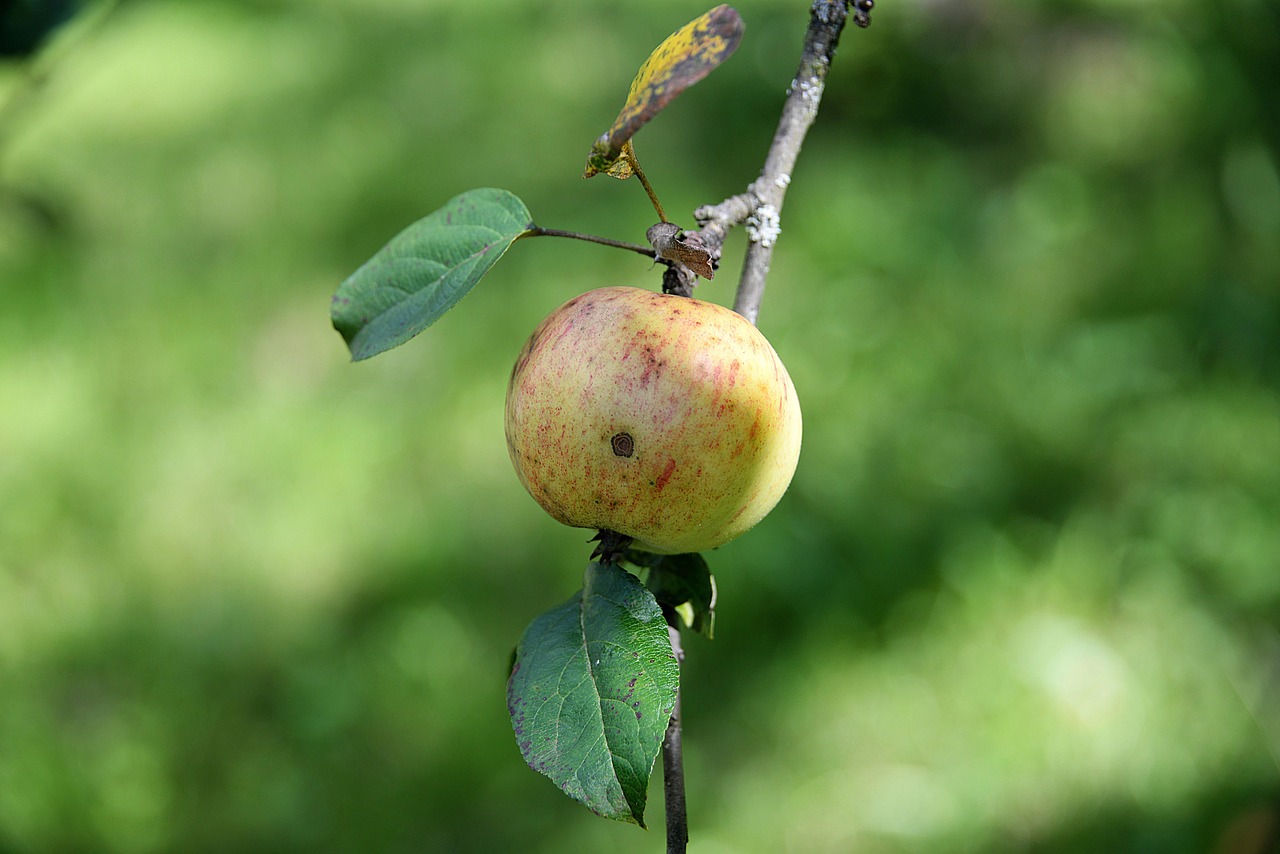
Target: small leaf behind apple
592,691
425,270
683,583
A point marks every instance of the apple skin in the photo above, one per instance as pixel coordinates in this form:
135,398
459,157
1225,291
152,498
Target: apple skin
665,418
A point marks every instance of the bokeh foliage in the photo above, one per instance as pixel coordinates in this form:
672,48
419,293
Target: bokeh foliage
1023,592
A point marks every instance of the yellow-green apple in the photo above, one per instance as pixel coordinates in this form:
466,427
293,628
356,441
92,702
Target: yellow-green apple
668,419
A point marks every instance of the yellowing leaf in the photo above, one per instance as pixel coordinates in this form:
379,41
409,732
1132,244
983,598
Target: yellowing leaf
687,55
622,168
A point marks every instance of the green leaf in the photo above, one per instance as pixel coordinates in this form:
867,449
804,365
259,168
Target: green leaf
592,691
425,270
683,583
684,57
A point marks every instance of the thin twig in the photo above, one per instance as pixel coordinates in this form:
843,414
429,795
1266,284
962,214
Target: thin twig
673,765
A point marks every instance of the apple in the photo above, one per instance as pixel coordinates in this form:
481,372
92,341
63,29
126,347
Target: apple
664,418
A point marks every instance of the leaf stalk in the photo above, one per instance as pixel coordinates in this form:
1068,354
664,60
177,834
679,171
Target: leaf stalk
647,251
634,162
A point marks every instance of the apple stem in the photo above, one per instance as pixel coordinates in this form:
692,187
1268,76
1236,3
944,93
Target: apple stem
679,280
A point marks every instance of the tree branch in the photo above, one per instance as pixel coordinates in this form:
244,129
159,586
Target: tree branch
760,207
673,762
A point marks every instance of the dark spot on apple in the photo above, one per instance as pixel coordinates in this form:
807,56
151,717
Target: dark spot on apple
623,444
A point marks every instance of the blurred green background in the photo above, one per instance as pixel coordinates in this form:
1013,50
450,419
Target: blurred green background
1022,594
